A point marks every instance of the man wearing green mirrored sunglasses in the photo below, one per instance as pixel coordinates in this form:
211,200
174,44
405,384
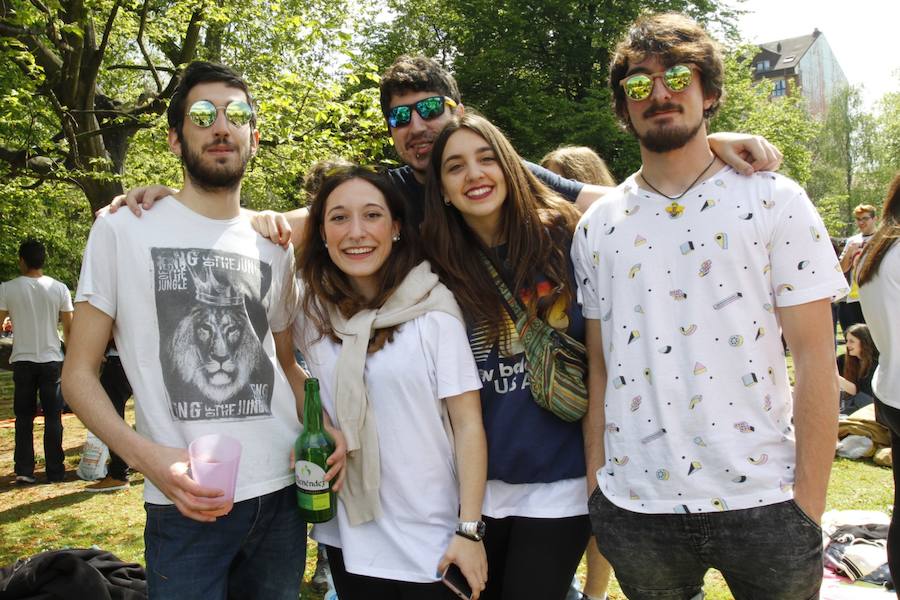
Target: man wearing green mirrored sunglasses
714,460
198,302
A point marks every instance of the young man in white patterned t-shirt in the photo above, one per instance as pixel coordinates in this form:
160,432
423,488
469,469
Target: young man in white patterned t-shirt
687,272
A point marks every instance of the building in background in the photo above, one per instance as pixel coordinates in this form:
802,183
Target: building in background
807,61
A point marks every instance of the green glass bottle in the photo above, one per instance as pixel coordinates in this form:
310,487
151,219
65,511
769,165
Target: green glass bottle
313,446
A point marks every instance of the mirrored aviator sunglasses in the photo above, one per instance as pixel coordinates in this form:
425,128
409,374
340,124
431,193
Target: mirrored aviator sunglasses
676,78
203,113
428,108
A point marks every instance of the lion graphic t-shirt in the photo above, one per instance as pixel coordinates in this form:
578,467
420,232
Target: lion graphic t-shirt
195,302
211,321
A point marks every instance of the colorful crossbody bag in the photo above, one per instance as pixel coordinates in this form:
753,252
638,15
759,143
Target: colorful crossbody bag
557,363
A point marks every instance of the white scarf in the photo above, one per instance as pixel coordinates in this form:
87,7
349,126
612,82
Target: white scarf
420,292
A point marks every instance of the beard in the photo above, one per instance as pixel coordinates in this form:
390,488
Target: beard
212,176
667,137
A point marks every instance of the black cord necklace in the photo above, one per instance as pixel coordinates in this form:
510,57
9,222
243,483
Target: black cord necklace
675,209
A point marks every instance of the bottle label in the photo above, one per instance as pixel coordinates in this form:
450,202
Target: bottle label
310,477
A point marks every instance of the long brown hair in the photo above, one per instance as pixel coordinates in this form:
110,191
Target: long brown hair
858,368
326,284
884,237
536,224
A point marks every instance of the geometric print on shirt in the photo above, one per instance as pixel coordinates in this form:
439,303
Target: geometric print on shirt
698,407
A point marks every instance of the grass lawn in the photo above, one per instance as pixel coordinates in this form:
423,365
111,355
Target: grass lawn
44,517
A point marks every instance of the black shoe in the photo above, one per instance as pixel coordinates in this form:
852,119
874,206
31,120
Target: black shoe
56,478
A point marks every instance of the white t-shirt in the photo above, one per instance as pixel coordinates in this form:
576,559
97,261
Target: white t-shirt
428,360
556,500
698,405
195,301
34,304
880,299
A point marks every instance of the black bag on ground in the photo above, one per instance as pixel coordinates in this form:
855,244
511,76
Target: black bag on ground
76,574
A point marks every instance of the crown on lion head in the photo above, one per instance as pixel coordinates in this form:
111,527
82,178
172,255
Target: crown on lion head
209,290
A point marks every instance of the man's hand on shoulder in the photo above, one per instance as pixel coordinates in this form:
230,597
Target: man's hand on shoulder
137,199
272,225
745,153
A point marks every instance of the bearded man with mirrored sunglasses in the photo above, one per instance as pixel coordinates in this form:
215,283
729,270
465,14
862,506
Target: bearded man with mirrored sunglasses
698,454
198,303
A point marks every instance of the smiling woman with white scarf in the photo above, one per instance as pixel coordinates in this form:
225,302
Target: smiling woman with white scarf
387,342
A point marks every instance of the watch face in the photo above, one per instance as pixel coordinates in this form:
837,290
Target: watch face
480,529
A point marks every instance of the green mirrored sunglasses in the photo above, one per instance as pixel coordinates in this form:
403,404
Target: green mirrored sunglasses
640,85
203,113
428,108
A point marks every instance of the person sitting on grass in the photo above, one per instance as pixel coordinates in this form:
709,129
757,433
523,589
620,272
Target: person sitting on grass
856,368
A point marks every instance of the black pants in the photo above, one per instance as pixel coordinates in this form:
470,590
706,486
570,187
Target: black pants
533,559
116,386
30,380
350,586
849,313
890,418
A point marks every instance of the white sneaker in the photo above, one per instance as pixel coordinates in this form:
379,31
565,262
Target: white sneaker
25,479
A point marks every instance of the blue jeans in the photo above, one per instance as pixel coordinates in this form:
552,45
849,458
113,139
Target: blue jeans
31,379
773,552
258,550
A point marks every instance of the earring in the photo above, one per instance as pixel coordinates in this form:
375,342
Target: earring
396,238
324,242
447,202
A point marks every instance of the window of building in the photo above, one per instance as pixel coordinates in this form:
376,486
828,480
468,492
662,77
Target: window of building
780,88
762,65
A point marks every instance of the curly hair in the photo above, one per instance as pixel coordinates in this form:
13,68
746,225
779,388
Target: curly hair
675,39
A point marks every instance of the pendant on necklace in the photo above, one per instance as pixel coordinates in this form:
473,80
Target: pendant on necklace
675,210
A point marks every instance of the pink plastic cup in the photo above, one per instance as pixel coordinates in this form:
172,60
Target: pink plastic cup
214,462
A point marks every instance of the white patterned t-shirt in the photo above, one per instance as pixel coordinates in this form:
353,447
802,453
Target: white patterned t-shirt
698,403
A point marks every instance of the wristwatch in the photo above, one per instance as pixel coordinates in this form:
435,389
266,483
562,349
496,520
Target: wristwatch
473,530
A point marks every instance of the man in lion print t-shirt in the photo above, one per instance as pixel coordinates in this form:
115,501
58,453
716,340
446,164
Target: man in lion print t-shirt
197,303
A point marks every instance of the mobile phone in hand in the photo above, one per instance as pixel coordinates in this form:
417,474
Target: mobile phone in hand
454,579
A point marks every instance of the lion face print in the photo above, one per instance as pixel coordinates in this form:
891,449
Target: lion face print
212,319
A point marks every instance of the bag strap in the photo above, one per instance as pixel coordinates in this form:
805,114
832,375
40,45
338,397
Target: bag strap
513,306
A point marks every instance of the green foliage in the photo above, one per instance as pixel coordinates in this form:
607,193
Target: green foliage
836,211
856,155
55,214
783,121
536,69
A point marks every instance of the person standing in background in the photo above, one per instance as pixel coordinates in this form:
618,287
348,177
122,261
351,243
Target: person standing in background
36,304
849,310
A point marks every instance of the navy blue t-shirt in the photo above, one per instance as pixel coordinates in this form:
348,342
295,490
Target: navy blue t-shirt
526,443
414,192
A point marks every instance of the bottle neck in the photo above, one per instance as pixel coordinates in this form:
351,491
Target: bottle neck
312,407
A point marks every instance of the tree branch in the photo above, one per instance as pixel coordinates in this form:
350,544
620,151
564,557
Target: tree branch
191,38
65,120
142,68
140,41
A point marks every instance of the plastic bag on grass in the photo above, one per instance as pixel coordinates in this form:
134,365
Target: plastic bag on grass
93,459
